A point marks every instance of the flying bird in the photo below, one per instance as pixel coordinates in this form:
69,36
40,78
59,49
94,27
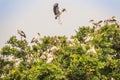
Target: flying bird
56,10
36,38
22,34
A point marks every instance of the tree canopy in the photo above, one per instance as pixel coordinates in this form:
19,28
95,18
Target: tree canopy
87,55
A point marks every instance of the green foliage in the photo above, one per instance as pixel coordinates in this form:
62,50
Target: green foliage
58,58
82,32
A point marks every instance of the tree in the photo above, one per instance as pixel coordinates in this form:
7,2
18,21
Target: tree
85,56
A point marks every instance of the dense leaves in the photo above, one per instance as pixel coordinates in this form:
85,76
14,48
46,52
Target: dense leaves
85,56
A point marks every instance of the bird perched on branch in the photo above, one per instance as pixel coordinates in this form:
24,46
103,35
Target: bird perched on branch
113,19
36,38
117,23
96,23
22,34
110,21
56,11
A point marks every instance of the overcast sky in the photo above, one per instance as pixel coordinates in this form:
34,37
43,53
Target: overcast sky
34,16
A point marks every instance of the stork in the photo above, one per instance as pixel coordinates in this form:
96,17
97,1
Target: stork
87,38
96,23
36,38
22,34
57,12
106,22
111,20
117,23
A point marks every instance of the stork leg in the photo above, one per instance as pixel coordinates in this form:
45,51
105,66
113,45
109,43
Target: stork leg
59,21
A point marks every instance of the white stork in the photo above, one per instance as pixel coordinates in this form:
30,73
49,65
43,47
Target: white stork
22,34
57,12
36,38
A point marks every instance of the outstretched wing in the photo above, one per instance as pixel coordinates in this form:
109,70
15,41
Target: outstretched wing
56,9
100,21
23,34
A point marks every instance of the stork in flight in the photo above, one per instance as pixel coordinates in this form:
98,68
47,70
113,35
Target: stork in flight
57,11
36,38
22,34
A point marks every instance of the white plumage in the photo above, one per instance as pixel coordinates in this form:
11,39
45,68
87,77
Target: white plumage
117,24
36,38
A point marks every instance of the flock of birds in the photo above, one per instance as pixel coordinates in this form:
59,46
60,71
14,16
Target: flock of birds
23,35
112,20
97,25
57,12
87,38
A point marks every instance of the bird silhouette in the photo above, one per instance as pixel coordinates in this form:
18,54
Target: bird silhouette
22,34
57,11
96,23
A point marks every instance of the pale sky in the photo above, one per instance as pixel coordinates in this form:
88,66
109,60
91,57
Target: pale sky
34,16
